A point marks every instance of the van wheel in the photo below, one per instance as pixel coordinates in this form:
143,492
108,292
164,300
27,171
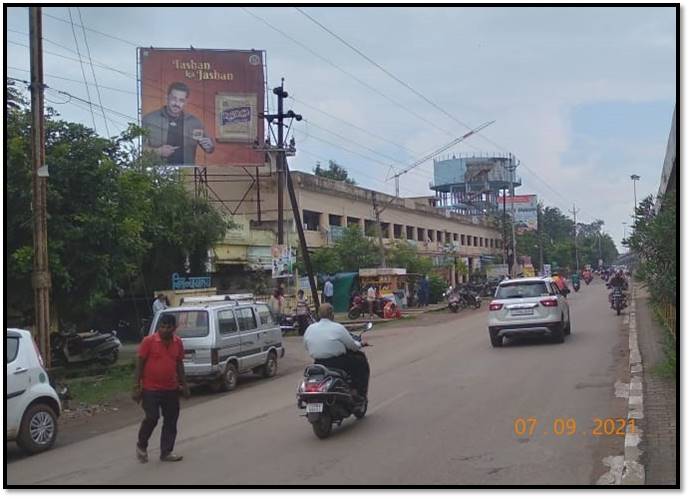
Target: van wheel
270,368
228,381
38,430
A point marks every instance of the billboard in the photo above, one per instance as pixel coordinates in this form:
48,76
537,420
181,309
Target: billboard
525,211
201,107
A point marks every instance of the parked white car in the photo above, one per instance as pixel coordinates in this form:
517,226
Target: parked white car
528,306
32,406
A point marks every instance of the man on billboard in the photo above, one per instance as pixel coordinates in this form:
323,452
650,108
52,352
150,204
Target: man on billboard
173,134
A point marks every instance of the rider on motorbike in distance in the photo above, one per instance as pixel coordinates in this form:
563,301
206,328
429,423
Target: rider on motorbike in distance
618,281
331,345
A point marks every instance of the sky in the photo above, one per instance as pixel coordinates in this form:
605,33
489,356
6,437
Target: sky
582,96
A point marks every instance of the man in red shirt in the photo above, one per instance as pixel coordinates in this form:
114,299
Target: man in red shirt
158,375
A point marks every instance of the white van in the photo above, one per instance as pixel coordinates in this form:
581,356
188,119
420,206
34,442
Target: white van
224,336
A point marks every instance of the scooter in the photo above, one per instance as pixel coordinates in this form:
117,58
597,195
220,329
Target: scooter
326,396
453,301
361,306
92,346
576,286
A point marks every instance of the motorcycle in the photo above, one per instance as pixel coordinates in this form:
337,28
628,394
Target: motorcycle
617,300
588,280
326,396
470,298
290,323
453,300
576,286
92,346
360,306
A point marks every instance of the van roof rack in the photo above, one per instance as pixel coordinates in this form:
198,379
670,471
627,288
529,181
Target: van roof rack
244,297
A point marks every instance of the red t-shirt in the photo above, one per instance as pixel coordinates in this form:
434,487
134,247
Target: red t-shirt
160,369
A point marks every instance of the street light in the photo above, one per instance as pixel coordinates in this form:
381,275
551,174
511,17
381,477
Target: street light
634,178
624,224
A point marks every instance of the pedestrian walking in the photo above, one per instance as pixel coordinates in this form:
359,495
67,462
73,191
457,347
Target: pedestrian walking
328,291
160,303
159,376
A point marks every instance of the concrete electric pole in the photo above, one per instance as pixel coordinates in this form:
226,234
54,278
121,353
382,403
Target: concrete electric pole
577,258
41,271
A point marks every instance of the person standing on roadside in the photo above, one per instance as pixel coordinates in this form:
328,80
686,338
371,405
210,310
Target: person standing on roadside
328,291
160,303
158,377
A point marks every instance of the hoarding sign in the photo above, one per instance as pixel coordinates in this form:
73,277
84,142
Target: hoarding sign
201,107
282,260
525,212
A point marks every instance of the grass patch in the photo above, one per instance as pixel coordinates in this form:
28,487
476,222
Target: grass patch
104,387
666,368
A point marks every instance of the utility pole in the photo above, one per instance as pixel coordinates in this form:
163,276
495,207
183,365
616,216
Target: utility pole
634,179
505,225
280,163
377,214
41,271
283,174
540,233
513,166
577,258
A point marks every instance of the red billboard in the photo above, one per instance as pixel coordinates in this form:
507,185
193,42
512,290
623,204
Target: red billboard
201,107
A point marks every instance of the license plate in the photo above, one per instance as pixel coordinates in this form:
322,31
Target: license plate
315,407
188,356
523,311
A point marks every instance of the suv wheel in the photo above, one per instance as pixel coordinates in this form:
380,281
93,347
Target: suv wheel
568,327
38,430
496,340
270,368
228,381
557,333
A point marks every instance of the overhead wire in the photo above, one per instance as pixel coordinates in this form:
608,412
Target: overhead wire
93,72
81,65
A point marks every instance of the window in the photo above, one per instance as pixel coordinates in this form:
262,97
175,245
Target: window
420,235
335,220
410,233
532,289
430,235
190,323
439,236
385,230
481,242
554,290
311,220
352,221
265,315
226,322
475,241
370,228
491,243
246,319
462,239
397,231
455,237
448,237
11,349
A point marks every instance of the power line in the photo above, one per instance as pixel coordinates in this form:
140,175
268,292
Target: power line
92,30
93,72
360,81
419,94
83,73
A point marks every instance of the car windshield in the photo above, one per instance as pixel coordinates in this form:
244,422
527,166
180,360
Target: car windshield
190,323
532,289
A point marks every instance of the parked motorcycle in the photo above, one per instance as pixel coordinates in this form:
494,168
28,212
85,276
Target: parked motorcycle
470,297
326,396
453,300
92,346
291,323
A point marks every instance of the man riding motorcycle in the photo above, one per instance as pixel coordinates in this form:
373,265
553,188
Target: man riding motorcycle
618,281
331,345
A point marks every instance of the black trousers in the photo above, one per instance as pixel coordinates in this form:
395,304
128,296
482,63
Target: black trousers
155,402
353,363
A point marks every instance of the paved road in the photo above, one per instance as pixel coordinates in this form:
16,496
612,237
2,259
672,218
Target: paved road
443,404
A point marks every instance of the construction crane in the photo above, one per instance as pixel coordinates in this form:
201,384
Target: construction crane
435,153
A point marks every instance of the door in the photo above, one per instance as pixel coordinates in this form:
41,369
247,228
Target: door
17,376
562,302
228,334
250,347
270,334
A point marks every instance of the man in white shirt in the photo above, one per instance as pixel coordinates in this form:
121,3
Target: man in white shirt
328,292
331,345
371,299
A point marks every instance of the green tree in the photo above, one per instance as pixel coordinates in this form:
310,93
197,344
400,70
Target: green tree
113,223
404,255
334,172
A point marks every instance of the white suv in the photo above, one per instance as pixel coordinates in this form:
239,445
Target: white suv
528,306
32,407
